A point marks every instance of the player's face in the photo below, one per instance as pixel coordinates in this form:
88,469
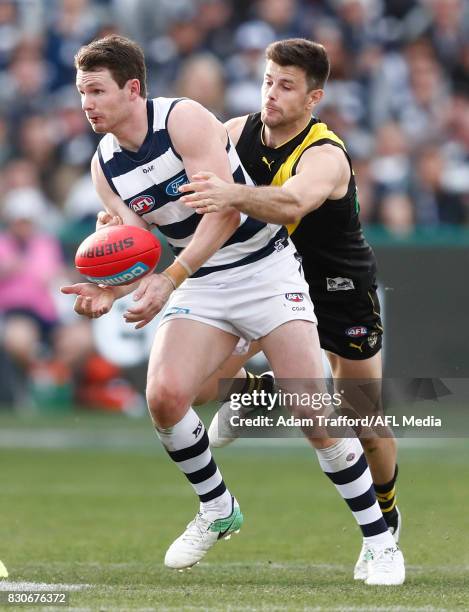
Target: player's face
285,95
104,103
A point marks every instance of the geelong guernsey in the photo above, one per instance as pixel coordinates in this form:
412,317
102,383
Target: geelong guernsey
147,181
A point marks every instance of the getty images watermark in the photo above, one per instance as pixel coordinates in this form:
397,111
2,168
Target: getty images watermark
317,408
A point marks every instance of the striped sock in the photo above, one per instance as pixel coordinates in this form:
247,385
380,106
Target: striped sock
345,464
386,496
187,445
251,382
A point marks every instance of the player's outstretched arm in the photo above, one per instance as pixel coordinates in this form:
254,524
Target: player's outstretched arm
322,173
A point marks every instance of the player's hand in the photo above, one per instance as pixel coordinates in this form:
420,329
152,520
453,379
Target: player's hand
151,295
210,193
92,301
105,219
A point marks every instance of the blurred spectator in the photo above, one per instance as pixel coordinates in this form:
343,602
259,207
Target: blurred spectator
396,214
434,202
391,164
347,93
82,203
25,82
18,173
214,19
201,78
358,20
449,28
246,67
72,24
9,31
166,53
283,16
30,262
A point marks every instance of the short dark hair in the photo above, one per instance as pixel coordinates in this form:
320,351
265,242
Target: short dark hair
123,58
306,54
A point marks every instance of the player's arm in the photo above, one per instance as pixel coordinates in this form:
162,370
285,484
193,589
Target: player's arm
200,139
322,173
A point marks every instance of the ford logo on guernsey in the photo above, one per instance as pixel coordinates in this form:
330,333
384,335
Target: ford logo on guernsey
294,297
356,332
172,188
142,204
133,273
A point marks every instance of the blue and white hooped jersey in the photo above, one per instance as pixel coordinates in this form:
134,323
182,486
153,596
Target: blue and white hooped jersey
148,180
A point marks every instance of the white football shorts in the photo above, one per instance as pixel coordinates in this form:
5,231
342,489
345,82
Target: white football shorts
271,292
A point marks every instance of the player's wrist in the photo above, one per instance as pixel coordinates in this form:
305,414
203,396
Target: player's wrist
239,195
178,272
115,292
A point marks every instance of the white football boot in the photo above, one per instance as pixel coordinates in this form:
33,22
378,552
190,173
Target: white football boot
221,432
361,569
385,566
199,537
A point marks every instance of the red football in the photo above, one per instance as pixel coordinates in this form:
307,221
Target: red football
118,255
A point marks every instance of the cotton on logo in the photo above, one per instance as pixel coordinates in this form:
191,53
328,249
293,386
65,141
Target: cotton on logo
142,204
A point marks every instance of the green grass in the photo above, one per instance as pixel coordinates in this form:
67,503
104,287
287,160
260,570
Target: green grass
101,507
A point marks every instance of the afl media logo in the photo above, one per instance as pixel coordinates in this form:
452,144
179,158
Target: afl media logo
142,204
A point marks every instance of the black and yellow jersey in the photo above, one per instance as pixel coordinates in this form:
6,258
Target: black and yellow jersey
329,239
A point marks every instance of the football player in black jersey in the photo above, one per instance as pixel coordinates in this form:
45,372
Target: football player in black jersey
305,181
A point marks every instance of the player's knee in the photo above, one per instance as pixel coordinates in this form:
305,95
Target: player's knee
166,398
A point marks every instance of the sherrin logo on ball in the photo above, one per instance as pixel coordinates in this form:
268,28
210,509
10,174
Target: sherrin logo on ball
118,255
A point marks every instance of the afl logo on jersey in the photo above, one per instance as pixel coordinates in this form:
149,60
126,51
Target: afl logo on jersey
142,204
294,297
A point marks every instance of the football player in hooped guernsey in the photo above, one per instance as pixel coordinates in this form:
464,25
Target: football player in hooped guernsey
312,191
230,280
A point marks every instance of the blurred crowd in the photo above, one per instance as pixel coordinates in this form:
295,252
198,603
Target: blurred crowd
398,95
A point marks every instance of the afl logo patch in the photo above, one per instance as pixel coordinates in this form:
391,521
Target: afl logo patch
356,332
142,204
294,297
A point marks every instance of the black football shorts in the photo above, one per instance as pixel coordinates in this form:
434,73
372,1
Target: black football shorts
349,324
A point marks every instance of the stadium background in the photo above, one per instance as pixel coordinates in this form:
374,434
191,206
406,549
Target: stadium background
399,96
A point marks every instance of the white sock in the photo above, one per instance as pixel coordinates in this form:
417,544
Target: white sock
186,443
345,464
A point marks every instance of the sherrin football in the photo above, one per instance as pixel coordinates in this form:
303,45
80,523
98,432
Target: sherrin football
118,255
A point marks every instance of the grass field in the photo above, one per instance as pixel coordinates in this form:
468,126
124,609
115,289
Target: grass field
91,503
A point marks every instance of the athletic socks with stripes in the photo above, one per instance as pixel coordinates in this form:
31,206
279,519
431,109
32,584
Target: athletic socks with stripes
345,464
187,445
248,384
386,496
